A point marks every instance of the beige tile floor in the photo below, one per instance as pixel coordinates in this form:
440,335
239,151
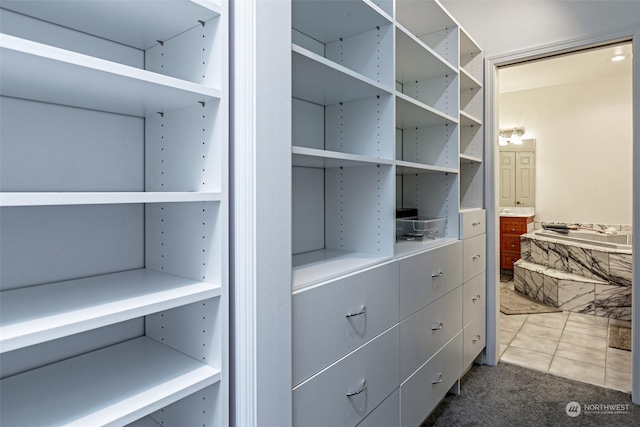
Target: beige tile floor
566,344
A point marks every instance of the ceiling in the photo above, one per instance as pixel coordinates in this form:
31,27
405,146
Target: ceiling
590,65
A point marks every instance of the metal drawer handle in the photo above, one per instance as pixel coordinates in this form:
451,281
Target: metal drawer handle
363,388
476,223
440,274
476,298
476,257
476,339
363,310
439,380
513,229
437,327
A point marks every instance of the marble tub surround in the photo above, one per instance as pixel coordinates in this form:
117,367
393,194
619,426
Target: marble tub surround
586,226
576,277
591,261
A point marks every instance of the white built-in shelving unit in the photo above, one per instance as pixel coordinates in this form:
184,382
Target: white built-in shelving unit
386,115
377,123
471,119
113,213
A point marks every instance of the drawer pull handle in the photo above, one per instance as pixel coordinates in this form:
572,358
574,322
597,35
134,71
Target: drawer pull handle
437,327
363,388
363,310
476,223
513,246
439,380
513,229
476,339
440,274
476,298
476,257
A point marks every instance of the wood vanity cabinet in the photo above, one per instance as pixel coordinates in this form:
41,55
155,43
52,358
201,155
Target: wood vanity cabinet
511,228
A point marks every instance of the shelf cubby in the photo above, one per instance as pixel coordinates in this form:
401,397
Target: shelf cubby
471,183
470,57
471,139
362,127
341,220
352,34
432,25
434,192
424,76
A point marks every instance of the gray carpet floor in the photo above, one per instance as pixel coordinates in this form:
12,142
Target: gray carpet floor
509,395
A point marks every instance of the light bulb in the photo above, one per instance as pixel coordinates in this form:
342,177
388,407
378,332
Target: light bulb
515,137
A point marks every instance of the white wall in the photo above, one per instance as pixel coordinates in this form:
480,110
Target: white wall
505,26
583,135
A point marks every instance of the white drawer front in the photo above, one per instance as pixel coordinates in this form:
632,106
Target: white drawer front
472,223
421,393
474,339
475,256
425,332
428,276
473,298
370,374
385,415
326,323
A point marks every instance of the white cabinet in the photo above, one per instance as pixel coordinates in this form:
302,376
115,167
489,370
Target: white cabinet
474,287
113,212
345,393
331,320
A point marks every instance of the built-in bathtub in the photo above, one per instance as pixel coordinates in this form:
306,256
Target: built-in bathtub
582,271
613,241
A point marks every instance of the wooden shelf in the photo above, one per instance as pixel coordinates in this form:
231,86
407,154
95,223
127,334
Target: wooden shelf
44,73
138,25
112,386
314,158
102,198
321,81
41,313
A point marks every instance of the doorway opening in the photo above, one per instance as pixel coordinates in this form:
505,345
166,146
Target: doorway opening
565,163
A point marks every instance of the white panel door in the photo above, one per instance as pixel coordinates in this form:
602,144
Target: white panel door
525,178
507,178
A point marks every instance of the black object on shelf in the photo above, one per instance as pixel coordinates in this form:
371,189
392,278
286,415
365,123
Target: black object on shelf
406,212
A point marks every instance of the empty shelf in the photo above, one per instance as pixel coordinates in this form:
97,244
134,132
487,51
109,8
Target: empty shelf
37,314
44,73
112,386
102,198
139,25
314,158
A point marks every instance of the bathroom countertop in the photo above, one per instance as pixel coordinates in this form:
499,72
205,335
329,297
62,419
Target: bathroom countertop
517,215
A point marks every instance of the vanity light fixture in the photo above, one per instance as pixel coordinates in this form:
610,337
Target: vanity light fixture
515,136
